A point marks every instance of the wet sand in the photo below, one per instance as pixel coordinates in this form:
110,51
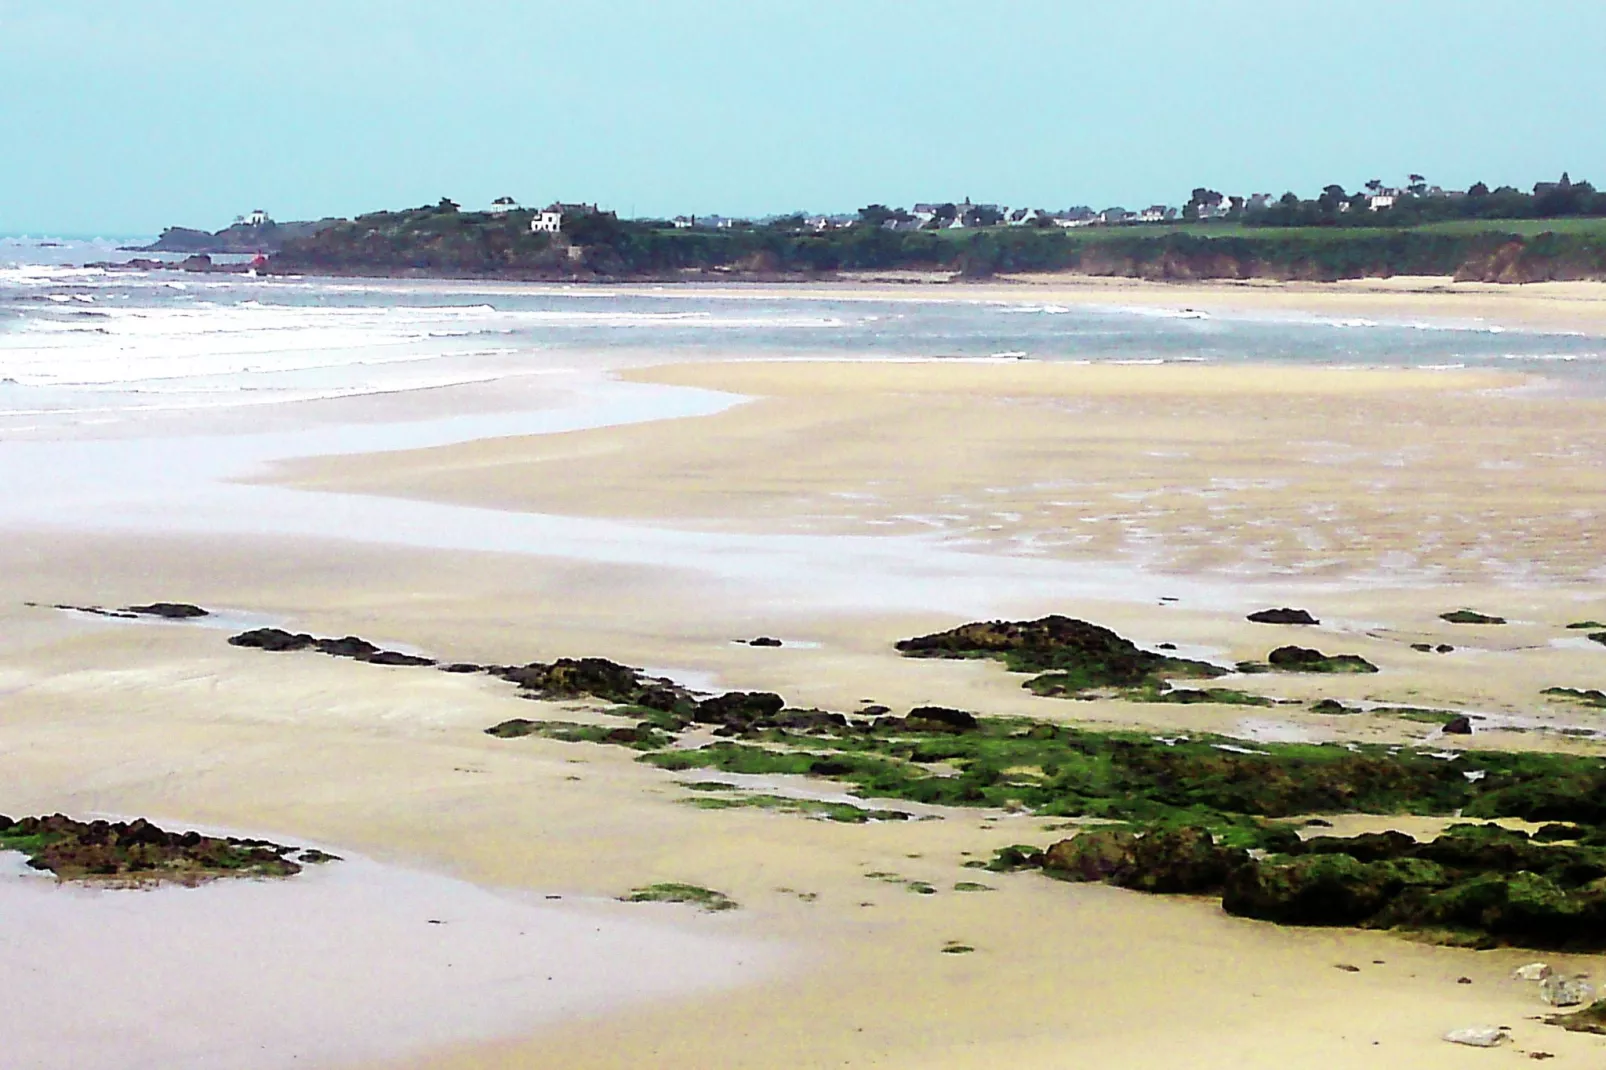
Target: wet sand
660,543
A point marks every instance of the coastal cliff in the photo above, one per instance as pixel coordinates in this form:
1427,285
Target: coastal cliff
267,237
443,241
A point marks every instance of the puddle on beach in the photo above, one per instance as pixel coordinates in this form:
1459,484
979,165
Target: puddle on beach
346,963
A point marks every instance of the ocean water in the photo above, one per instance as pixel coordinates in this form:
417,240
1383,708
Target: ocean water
84,346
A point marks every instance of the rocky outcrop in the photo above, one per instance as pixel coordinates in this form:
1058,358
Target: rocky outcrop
1171,860
279,640
1283,616
1072,655
1304,659
138,852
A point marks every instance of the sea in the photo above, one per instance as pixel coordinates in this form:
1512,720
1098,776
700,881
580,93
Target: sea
88,346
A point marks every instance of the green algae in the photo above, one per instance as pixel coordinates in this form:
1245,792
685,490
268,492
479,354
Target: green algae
1470,616
670,892
1589,697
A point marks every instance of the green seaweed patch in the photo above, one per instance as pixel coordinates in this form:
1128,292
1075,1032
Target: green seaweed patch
643,736
1074,656
1190,696
972,886
1417,713
1589,697
1584,625
671,892
138,852
957,949
1470,616
845,813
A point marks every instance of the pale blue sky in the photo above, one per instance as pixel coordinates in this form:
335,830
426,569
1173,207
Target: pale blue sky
120,116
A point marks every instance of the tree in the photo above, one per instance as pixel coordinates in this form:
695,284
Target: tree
874,215
1477,189
446,205
1374,185
1418,185
1332,196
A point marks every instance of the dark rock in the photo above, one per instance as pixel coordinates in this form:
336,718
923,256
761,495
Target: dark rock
1467,616
742,707
1173,860
1592,1019
1425,648
1283,616
1093,855
1367,847
349,647
1304,659
1555,831
462,667
396,657
764,640
1444,648
274,639
169,610
1332,706
1016,857
874,711
138,852
1322,889
1074,655
512,729
940,719
1459,725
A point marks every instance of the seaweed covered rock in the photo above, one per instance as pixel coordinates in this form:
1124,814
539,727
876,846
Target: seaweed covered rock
1093,855
1592,1019
1184,859
570,678
939,719
136,852
739,706
1283,616
1322,889
273,639
1075,656
1305,659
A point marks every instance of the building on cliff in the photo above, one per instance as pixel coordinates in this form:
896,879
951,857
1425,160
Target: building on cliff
503,205
547,221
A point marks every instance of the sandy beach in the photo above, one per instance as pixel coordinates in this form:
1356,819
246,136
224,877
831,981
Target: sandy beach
662,508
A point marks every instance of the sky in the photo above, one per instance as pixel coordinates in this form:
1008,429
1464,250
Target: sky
119,117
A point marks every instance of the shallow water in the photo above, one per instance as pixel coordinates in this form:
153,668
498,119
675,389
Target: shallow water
347,962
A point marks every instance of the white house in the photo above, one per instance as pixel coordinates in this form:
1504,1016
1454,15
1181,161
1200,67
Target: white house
257,218
684,222
1377,202
503,205
547,221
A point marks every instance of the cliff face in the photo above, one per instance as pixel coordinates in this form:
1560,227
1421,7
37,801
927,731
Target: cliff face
239,238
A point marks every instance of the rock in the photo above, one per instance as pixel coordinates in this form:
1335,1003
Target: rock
764,640
1073,655
742,707
1477,1036
1093,855
1459,725
169,610
1425,648
1444,648
1463,980
1332,706
1304,659
1283,616
273,639
1559,991
462,667
396,657
940,719
138,852
1468,616
874,711
1347,967
349,647
1323,889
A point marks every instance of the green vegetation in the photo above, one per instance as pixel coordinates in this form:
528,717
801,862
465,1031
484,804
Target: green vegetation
137,852
706,898
1474,885
846,813
441,240
972,886
1592,1019
1585,624
1590,697
1468,616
